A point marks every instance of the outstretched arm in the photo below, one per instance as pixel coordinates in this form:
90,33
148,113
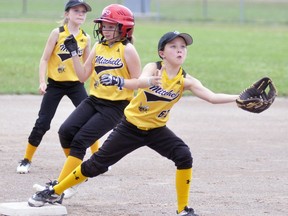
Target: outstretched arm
196,87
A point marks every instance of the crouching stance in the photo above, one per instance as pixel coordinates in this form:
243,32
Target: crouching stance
160,86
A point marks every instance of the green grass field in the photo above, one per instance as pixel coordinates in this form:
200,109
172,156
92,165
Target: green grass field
225,56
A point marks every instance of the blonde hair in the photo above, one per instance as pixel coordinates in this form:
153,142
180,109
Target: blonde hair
64,21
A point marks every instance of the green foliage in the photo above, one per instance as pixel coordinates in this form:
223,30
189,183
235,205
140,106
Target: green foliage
225,56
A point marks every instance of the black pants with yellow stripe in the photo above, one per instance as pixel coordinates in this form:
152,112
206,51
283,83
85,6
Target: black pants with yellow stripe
126,138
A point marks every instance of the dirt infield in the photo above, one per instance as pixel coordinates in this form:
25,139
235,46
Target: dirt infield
240,162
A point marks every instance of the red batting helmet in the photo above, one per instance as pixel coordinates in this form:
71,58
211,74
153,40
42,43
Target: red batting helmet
118,14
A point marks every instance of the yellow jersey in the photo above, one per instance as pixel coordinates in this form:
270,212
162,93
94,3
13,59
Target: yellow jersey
151,106
60,65
110,60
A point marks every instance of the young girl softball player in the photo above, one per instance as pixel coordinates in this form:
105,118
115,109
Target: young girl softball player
57,65
113,55
161,85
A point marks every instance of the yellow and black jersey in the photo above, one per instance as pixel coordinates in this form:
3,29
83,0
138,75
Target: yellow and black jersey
110,60
60,65
151,106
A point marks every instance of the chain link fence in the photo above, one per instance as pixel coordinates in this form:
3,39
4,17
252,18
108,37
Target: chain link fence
243,11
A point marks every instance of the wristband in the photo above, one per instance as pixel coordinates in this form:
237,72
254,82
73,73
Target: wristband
121,83
74,53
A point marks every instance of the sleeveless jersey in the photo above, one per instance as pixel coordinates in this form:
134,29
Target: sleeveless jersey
60,65
151,106
110,60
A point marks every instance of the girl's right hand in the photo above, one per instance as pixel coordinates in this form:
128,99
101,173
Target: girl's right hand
42,88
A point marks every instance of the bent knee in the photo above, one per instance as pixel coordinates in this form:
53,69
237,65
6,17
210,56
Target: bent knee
64,141
184,160
92,168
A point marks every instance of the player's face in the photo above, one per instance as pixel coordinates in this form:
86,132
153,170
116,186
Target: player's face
175,51
77,14
110,31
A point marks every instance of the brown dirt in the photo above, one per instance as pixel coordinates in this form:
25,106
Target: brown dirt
240,162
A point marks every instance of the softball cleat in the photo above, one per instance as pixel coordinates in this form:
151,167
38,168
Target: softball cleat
24,166
187,212
48,195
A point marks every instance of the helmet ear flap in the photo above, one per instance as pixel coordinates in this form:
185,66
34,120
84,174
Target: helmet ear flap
128,31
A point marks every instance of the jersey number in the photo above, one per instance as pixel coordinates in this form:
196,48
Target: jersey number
163,114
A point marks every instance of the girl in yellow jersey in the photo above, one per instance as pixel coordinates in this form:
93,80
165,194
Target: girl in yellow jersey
113,54
57,65
144,123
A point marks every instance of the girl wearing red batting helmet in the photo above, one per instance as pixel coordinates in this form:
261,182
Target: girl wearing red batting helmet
112,56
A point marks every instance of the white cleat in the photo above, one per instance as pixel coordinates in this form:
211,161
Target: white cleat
68,193
23,167
38,187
